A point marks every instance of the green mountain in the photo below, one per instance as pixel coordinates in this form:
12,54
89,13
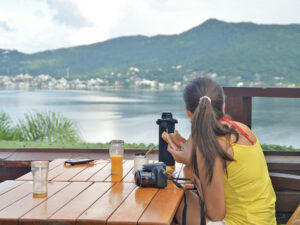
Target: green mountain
248,50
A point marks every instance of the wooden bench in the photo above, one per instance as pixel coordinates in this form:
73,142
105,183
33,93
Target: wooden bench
287,188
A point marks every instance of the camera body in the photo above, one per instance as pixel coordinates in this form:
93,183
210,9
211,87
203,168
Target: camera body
152,175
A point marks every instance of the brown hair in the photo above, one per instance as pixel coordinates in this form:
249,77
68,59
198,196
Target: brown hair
205,123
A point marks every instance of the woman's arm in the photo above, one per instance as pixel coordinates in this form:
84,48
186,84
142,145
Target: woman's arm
213,192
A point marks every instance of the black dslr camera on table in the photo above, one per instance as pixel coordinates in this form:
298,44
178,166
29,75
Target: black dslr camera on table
152,175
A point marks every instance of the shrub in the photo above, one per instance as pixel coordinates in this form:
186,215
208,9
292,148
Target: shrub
6,127
46,127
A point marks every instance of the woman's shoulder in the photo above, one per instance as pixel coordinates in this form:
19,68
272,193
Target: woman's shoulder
225,144
242,125
245,133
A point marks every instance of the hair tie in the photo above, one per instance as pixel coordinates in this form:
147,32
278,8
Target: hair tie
203,97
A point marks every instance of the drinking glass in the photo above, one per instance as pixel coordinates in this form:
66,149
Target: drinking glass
40,178
139,160
116,152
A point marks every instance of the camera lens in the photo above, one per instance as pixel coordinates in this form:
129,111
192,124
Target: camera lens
145,179
137,178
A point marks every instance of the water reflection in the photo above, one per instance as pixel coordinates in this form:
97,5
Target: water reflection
277,120
131,115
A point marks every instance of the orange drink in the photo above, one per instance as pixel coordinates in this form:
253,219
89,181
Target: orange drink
116,152
116,164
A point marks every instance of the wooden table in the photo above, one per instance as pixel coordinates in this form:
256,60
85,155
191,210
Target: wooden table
88,195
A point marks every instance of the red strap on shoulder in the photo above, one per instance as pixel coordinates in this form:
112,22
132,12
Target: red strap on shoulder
226,119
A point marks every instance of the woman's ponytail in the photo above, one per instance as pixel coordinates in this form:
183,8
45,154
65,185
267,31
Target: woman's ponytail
207,110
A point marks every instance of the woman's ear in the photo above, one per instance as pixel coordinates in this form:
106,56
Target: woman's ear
223,107
189,113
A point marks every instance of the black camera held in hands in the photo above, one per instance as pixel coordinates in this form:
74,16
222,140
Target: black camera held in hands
152,175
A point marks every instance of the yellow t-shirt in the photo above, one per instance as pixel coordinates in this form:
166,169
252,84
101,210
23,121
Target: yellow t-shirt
249,194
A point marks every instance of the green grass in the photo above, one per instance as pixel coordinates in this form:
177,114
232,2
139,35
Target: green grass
84,145
278,148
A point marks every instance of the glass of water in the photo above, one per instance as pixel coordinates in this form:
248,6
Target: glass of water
40,178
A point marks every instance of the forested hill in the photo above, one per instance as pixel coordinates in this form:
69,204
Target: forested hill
248,50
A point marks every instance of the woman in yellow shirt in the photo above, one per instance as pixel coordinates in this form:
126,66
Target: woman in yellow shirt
226,160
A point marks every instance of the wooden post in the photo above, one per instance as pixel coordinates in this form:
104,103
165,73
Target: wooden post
239,100
239,108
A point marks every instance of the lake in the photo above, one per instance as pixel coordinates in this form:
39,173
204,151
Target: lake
131,115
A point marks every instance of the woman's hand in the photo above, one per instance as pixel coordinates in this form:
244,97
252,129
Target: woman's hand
180,154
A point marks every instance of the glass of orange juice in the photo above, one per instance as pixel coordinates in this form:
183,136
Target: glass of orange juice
116,152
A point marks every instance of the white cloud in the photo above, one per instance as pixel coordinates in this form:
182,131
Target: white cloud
68,13
36,25
5,26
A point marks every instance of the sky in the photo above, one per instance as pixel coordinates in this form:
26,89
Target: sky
36,25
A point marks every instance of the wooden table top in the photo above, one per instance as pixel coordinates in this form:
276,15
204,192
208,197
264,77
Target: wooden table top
88,195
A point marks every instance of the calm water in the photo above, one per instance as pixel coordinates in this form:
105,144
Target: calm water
131,115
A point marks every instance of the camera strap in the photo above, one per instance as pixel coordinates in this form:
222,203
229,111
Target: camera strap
202,212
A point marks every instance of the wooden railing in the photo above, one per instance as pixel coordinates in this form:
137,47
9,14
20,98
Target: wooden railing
239,100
